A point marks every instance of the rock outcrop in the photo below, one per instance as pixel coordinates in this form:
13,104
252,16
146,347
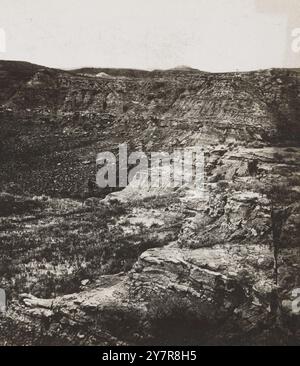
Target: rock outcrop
220,267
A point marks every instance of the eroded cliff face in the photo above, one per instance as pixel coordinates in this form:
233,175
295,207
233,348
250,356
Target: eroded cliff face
150,266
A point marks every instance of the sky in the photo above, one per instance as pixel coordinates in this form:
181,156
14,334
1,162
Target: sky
210,35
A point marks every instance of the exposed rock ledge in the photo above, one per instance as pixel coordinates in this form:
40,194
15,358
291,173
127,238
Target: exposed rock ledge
223,275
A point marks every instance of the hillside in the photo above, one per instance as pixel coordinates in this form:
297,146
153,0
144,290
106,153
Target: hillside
169,266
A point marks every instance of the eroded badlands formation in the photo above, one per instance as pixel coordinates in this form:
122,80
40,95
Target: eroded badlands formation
83,265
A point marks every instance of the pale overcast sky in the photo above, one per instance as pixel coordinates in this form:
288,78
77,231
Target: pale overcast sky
212,35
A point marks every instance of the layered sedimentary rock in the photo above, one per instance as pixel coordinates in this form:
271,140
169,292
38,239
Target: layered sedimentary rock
215,268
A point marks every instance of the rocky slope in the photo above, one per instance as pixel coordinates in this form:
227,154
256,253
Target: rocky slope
149,266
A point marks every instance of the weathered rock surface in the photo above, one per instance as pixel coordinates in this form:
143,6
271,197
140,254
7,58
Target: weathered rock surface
219,267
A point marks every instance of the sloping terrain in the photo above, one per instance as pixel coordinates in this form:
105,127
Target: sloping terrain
82,265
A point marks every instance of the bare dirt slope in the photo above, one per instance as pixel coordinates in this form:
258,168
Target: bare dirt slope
149,267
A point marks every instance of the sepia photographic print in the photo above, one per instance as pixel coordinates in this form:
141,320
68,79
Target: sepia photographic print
150,174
